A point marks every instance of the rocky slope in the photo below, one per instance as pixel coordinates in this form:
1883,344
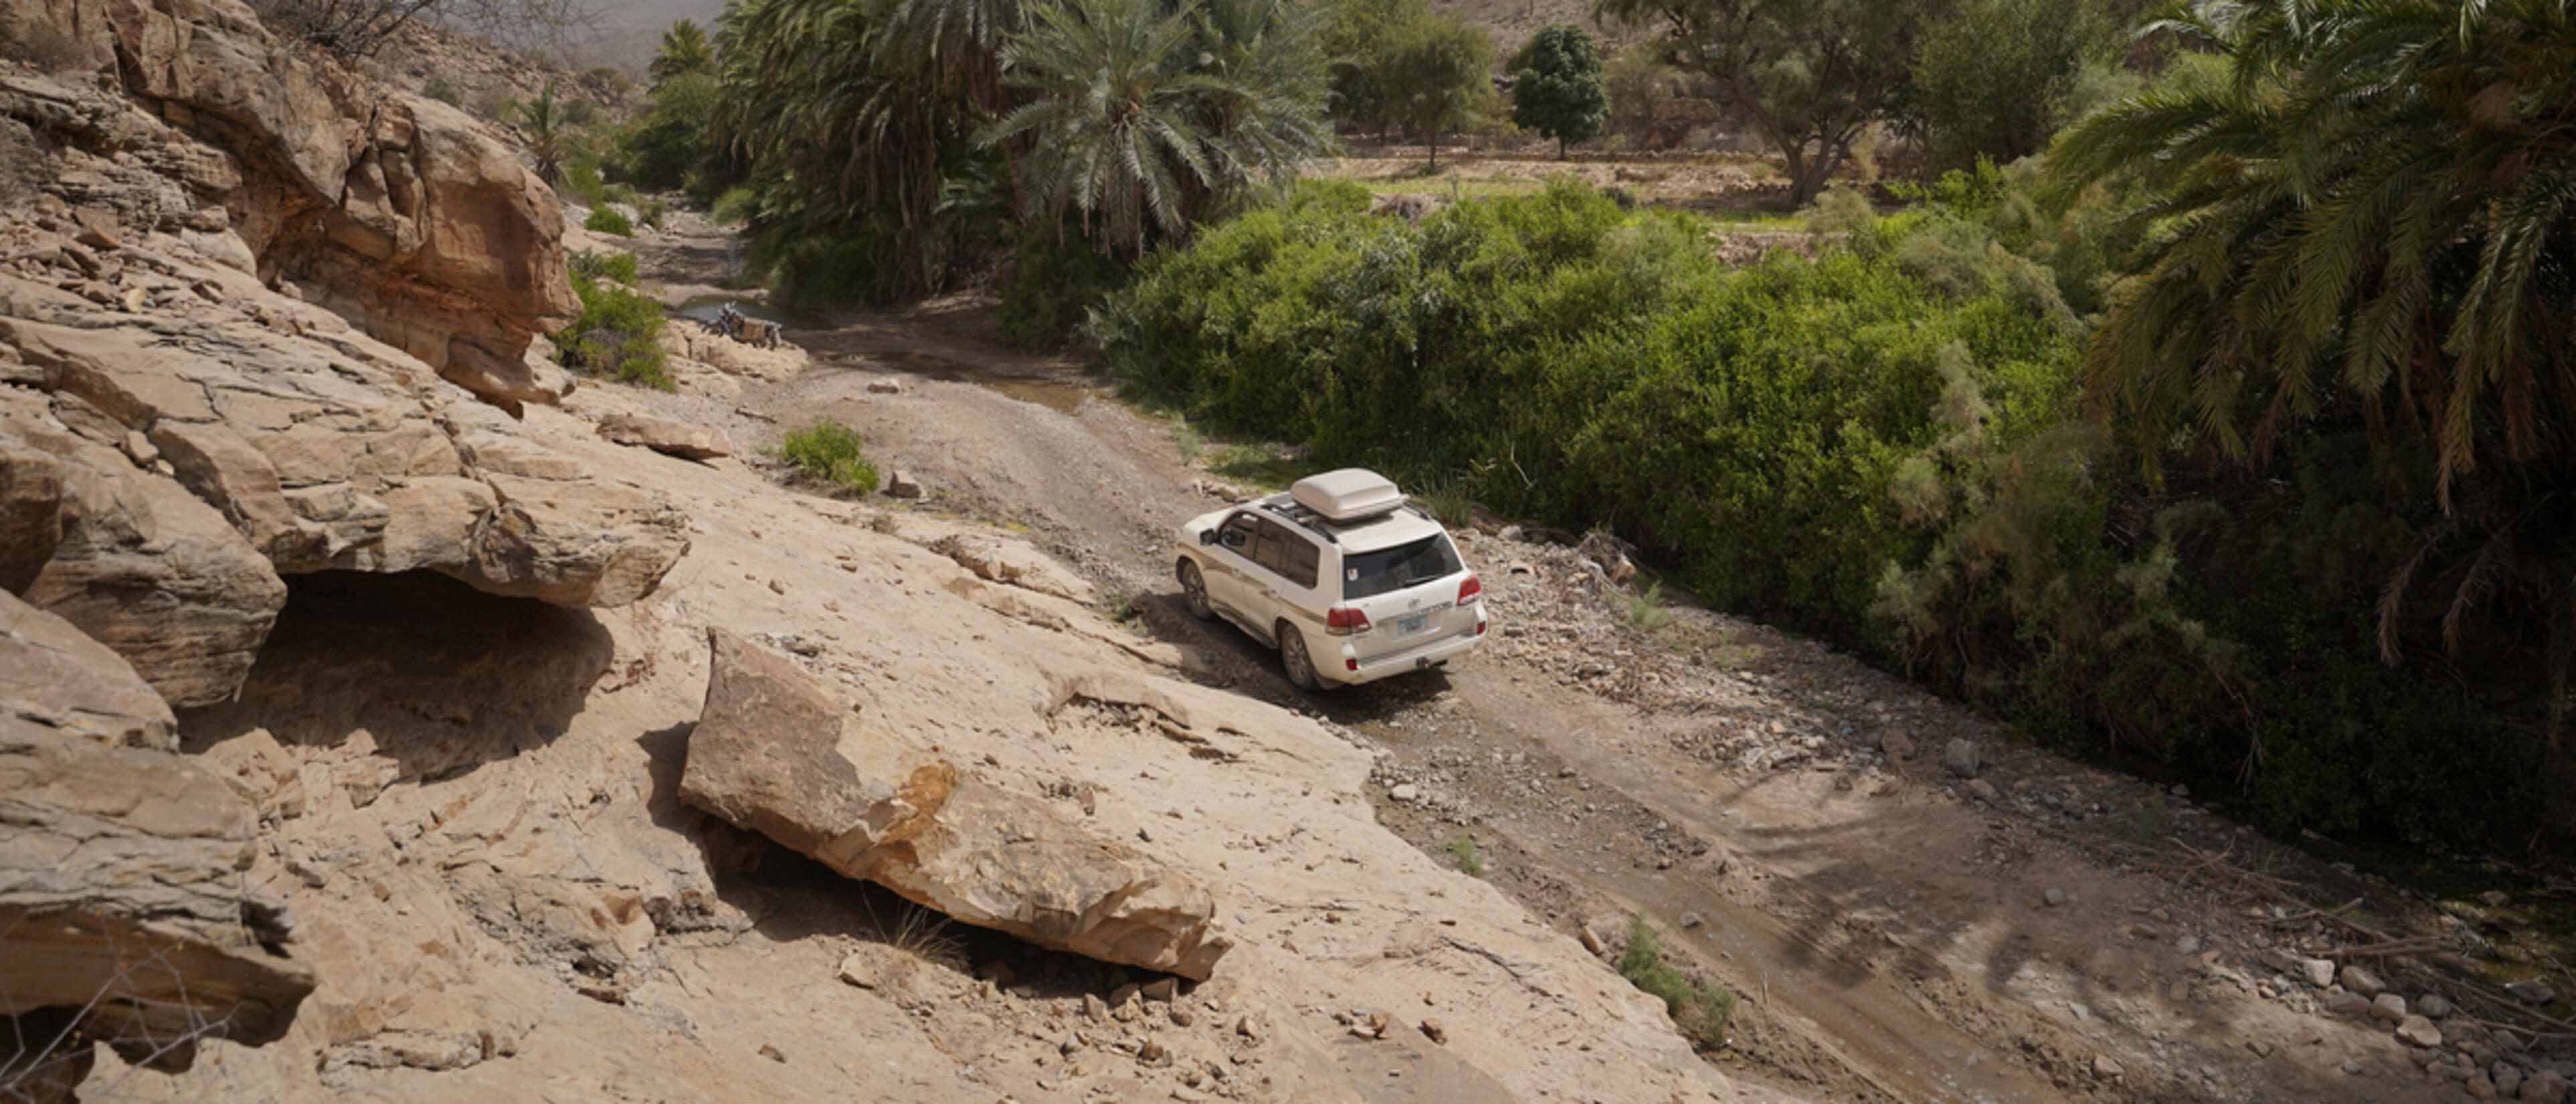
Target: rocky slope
450,671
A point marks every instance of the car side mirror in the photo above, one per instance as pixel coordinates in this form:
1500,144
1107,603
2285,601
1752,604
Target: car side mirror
1207,537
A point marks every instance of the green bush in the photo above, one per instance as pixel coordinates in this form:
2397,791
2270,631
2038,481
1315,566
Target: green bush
1591,367
1056,278
617,333
581,178
670,142
620,267
441,91
829,452
605,219
1882,445
1702,1011
734,207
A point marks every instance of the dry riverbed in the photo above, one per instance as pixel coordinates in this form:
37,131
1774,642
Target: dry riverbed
1910,906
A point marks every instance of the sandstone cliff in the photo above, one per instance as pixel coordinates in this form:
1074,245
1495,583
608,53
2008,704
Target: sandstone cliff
404,215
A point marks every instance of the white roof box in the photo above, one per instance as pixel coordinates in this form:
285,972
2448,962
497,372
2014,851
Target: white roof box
1347,495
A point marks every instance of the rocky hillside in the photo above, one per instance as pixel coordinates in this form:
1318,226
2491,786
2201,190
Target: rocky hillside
383,716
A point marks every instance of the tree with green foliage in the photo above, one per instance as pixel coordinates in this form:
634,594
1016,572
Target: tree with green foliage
2364,216
1807,75
1558,86
1268,106
670,144
1996,78
860,120
1359,38
1439,77
1141,115
1114,131
685,51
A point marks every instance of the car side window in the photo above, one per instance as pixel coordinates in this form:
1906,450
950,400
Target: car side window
1301,562
1237,534
1288,555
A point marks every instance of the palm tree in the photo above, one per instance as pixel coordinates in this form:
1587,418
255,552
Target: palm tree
685,50
1141,117
549,137
1112,120
1267,114
2369,215
850,127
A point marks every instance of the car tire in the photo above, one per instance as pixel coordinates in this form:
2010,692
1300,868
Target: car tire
1296,662
1194,592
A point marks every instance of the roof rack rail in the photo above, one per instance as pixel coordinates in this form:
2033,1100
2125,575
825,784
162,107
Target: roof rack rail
1301,517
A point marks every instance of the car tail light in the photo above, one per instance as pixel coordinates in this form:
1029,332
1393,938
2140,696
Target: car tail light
1353,664
1480,626
1470,590
1345,620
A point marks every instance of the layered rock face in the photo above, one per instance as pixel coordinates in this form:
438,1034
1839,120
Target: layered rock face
777,753
121,893
405,216
56,681
182,427
174,434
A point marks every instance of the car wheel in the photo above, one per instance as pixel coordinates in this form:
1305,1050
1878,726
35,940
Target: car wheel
1300,667
1194,592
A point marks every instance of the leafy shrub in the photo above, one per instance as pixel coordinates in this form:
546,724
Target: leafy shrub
620,267
733,208
1702,1011
670,141
441,91
1587,367
651,213
1882,445
617,333
1056,278
829,452
605,219
581,178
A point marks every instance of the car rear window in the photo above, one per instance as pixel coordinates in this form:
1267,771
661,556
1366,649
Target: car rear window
1369,574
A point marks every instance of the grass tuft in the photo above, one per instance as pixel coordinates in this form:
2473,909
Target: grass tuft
1701,1011
828,451
1462,850
1647,612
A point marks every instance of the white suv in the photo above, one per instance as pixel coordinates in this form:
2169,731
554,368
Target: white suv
1341,574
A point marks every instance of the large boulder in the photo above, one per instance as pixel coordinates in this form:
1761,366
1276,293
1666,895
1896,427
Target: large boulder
145,568
777,753
121,891
54,679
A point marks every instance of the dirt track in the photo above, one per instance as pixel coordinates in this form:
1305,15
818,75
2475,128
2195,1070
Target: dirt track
1886,922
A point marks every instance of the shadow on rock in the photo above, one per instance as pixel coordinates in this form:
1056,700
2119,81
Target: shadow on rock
438,676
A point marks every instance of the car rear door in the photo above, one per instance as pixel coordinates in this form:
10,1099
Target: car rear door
1285,585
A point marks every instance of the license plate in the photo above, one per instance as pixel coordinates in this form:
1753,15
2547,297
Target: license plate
1413,624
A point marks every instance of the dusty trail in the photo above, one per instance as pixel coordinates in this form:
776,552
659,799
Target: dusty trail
1884,922
1878,959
